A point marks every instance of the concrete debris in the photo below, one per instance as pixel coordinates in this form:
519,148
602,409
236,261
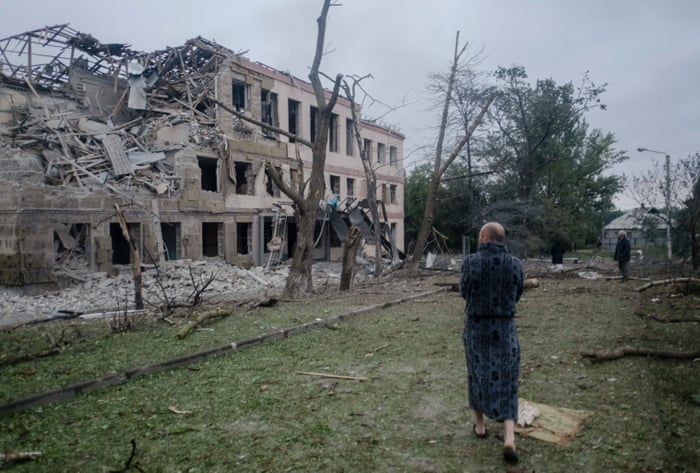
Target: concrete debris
101,293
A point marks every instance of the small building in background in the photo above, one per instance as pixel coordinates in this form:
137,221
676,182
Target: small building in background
644,227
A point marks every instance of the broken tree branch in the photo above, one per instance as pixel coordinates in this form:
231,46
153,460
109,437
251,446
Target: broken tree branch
127,463
12,456
197,292
668,281
608,355
333,376
200,318
264,125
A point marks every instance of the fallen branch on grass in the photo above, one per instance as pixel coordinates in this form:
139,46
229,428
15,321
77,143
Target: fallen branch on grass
199,319
333,376
127,463
607,355
217,313
31,357
665,320
668,281
12,456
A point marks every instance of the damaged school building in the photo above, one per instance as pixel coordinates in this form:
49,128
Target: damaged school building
87,126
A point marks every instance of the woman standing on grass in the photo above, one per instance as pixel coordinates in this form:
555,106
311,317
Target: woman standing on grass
492,283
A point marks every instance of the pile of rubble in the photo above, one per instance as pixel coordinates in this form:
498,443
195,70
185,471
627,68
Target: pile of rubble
87,294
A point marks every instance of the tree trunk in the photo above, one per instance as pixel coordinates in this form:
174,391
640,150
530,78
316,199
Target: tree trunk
426,225
135,259
299,281
349,254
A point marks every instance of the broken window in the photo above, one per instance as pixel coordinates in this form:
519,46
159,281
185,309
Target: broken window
121,249
172,239
333,133
384,197
335,184
381,153
239,92
245,181
244,238
392,194
313,112
393,155
272,188
350,184
209,168
367,148
349,137
70,240
212,233
268,111
292,118
268,231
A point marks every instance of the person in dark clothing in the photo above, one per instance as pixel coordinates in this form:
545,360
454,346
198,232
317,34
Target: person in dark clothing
623,254
558,250
492,282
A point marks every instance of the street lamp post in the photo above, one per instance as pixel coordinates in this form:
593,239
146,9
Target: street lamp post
667,198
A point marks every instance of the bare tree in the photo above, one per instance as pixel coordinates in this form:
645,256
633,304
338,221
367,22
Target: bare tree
299,280
673,189
444,157
654,186
308,193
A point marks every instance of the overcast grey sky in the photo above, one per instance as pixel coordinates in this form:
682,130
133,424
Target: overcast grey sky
647,51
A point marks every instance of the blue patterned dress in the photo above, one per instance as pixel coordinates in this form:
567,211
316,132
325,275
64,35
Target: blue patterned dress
492,283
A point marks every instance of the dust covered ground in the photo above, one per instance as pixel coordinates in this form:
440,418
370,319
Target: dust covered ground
394,395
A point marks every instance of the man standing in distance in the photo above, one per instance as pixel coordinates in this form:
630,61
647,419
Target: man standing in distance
623,253
492,283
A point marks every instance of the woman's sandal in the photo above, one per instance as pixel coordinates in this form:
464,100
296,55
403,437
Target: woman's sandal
481,436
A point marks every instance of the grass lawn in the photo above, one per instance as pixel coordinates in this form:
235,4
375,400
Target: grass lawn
259,409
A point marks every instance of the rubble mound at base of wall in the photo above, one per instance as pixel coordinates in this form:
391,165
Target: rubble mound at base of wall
90,293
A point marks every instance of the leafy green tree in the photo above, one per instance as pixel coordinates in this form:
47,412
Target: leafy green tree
460,203
549,165
415,194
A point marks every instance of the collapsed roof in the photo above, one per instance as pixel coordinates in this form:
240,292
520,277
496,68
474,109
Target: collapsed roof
111,135
43,58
